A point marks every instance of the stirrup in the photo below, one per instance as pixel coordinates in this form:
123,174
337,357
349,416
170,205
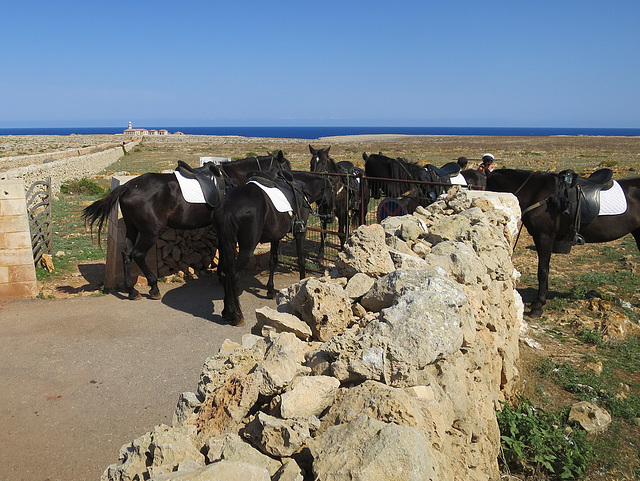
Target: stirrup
579,240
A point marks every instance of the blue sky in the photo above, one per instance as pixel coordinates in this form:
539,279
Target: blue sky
514,63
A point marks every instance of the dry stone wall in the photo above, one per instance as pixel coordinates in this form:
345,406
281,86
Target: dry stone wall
85,164
390,367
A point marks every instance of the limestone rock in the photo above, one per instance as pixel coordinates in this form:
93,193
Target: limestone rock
426,322
387,289
282,363
592,418
325,306
290,471
221,471
278,437
230,447
309,396
368,449
282,322
365,252
358,285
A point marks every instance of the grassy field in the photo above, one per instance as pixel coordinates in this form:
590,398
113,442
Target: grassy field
552,376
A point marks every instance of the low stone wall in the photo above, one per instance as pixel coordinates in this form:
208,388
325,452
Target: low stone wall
66,168
390,368
17,271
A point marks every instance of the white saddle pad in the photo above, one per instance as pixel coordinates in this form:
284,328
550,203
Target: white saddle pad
613,201
276,196
191,190
458,180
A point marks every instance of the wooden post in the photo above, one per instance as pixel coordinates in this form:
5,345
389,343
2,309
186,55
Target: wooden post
114,276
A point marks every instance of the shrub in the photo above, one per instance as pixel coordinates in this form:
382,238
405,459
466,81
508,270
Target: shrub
81,187
535,441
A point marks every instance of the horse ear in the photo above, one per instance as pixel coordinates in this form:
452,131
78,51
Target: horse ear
312,150
365,156
280,156
327,150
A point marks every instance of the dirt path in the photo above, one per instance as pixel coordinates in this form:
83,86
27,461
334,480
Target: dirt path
82,376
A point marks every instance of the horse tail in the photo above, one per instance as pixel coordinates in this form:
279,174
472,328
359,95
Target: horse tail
226,224
101,208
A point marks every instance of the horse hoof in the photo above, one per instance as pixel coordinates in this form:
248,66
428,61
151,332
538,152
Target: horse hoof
272,294
239,322
155,295
135,296
534,313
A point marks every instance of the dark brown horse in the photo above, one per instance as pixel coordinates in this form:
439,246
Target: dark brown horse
545,215
149,204
247,217
350,191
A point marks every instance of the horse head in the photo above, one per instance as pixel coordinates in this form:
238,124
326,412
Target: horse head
321,161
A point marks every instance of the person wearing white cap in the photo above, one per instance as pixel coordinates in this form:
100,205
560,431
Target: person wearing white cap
487,164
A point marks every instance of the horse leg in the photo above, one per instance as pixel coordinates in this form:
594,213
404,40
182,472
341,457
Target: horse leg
636,236
300,251
343,222
129,242
544,258
323,226
139,253
228,278
273,263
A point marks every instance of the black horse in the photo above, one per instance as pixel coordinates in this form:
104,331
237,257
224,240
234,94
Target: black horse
475,178
247,217
399,178
546,215
238,169
149,204
350,193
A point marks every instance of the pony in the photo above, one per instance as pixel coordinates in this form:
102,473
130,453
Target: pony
546,213
351,193
247,217
149,204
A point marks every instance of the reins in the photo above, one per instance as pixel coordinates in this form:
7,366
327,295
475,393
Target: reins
528,209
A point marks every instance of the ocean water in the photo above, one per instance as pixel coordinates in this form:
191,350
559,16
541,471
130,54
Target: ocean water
317,132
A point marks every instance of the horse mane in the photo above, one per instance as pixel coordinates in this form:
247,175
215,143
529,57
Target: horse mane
401,168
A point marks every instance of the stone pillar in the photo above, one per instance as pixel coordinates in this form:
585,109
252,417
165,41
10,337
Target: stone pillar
114,276
17,270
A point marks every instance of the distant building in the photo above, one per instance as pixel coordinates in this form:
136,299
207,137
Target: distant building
131,132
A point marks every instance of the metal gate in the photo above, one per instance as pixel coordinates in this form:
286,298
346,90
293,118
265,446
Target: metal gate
376,209
38,199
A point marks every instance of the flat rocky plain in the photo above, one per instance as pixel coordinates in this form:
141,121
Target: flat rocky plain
583,153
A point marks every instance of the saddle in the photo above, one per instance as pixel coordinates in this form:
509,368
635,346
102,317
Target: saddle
293,190
443,175
590,188
447,171
208,176
579,199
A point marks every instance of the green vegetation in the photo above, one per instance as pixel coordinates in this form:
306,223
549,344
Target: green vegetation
81,187
70,237
536,443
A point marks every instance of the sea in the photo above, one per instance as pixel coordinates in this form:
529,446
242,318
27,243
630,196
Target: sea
318,132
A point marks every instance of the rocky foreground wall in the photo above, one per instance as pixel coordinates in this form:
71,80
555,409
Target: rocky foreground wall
85,164
389,368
